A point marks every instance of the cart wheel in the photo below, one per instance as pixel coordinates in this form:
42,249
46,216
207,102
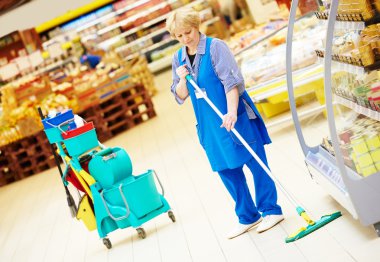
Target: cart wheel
141,232
171,216
377,228
107,243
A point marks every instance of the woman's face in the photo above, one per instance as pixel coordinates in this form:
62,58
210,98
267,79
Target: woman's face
188,36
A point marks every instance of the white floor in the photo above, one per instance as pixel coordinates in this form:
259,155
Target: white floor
35,222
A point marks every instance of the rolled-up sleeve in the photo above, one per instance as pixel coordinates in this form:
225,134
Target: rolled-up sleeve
175,65
225,66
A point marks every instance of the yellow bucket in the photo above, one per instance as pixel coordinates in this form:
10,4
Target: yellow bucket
86,214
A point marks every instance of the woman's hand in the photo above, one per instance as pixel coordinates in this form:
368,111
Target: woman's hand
229,121
182,72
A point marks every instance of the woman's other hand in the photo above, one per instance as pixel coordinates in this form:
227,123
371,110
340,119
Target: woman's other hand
182,72
229,121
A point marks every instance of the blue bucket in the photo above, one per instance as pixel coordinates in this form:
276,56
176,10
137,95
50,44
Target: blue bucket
141,194
82,143
61,117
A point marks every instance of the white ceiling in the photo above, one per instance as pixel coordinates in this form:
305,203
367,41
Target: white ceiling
35,13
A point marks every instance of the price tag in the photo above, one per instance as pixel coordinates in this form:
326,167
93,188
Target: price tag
55,50
8,71
36,58
23,63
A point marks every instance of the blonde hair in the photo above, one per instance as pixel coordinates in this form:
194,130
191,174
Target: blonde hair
182,18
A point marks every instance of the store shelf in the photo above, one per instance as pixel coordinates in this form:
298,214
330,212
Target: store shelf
141,39
211,21
357,108
348,25
339,66
345,60
141,14
348,63
301,77
98,20
357,70
131,18
355,18
160,64
110,41
54,65
157,45
106,43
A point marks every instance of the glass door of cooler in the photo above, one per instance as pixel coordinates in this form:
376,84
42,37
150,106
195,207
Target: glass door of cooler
352,81
350,157
313,132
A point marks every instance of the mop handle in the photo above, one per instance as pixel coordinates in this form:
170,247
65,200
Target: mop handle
242,140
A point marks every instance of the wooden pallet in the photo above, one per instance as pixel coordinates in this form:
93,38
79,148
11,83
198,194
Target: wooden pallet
7,175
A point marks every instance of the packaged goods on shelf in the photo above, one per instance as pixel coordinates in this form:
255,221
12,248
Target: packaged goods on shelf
360,144
356,48
247,37
142,74
362,90
27,88
267,61
353,10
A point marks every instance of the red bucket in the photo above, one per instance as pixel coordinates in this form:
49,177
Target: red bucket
72,178
77,131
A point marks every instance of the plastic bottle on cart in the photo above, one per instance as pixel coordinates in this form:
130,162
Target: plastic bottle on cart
52,113
78,121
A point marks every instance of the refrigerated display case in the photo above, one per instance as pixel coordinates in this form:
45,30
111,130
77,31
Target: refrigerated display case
263,68
347,162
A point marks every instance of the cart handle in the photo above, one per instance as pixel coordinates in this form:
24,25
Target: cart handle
124,200
59,126
159,182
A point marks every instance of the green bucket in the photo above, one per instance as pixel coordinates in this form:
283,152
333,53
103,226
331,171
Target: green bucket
82,143
110,165
141,194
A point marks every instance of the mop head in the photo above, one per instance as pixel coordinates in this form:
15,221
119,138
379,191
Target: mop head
310,228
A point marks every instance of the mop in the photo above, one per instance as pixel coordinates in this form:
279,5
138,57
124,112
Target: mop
311,224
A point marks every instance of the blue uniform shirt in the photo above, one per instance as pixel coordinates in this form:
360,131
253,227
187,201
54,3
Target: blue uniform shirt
92,60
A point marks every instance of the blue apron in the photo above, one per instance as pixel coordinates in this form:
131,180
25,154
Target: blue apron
223,148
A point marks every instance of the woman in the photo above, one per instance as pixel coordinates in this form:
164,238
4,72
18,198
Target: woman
213,67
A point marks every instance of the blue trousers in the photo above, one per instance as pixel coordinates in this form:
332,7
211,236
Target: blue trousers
265,190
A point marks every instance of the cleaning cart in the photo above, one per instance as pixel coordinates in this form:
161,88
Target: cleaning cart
111,197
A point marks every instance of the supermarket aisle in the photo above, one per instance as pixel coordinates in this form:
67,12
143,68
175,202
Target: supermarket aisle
35,223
